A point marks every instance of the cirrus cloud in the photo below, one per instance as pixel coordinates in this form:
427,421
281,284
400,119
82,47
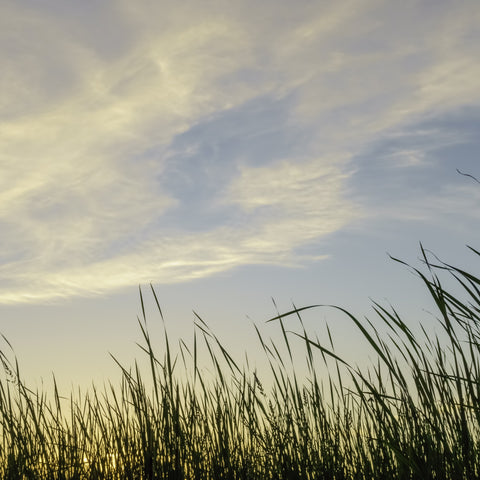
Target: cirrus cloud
110,176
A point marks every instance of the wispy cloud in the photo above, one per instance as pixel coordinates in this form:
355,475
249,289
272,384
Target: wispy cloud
111,177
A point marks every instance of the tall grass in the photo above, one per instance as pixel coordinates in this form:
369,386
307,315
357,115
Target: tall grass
415,413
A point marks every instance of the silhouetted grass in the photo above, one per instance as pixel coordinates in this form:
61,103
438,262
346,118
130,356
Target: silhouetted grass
414,414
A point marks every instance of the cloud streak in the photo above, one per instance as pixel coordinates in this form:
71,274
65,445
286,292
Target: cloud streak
108,179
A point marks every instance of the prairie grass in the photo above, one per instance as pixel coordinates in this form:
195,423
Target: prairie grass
415,413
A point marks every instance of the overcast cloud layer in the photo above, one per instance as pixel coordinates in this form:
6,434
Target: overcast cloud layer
150,142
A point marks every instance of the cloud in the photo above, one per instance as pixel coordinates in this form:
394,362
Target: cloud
153,141
372,73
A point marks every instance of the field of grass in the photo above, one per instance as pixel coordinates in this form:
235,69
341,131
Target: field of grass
414,414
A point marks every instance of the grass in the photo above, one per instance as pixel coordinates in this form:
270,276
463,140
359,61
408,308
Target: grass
415,413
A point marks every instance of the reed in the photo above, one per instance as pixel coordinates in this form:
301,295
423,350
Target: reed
415,413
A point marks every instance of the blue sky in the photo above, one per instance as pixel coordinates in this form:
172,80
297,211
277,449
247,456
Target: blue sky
227,153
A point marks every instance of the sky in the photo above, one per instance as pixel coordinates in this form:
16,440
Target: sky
228,153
